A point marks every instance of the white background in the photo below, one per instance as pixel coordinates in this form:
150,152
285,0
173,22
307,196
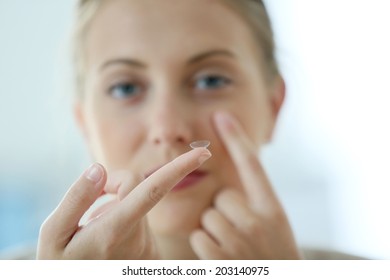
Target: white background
330,157
186,269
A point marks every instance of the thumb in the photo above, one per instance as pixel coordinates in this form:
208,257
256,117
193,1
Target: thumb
64,221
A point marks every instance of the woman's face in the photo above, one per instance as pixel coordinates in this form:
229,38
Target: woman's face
156,72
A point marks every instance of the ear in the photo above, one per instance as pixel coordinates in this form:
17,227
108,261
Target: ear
78,114
277,96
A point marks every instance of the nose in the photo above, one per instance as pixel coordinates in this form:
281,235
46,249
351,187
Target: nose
169,124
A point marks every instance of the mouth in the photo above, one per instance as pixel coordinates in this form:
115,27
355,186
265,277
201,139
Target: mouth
190,180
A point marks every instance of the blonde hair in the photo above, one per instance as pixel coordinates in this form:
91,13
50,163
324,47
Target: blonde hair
252,11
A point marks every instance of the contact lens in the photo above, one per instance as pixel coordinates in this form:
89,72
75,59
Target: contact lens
200,144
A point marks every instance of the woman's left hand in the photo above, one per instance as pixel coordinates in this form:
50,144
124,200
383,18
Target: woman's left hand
248,224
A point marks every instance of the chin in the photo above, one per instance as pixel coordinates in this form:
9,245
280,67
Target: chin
175,220
179,213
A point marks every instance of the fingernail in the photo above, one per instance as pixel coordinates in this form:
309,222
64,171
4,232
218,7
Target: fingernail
224,119
94,173
204,156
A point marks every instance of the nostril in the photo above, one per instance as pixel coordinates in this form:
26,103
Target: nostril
168,129
179,139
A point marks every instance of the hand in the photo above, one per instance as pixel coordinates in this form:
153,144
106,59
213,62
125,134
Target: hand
248,224
119,184
120,233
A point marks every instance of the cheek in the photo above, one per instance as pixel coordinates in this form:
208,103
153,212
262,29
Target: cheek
221,165
113,138
256,120
254,116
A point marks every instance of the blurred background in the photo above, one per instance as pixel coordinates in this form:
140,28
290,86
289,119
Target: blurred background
329,161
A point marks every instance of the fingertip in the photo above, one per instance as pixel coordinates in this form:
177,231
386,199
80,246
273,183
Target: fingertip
94,173
205,155
201,153
224,120
97,175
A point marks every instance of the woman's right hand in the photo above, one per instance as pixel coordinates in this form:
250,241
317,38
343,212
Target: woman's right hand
120,233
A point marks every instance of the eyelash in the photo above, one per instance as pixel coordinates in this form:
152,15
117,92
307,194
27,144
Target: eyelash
131,90
225,81
123,87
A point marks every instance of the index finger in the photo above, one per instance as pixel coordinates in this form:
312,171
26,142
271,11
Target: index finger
150,191
244,155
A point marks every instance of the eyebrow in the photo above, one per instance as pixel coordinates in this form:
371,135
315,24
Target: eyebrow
193,60
208,54
127,61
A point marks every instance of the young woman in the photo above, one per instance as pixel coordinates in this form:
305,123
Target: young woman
152,77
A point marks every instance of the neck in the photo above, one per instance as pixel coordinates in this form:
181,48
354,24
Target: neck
175,248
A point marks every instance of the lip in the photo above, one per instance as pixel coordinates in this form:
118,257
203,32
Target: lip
189,180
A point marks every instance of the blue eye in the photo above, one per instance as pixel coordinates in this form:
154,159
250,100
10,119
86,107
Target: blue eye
124,90
211,82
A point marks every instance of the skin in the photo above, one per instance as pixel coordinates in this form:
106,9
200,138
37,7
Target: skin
149,92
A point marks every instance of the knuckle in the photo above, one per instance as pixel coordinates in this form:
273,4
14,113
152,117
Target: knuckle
222,197
210,212
226,197
252,227
75,198
208,215
82,191
253,162
156,193
124,242
236,247
45,229
222,194
49,227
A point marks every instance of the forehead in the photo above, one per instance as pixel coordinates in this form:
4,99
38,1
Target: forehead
152,29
